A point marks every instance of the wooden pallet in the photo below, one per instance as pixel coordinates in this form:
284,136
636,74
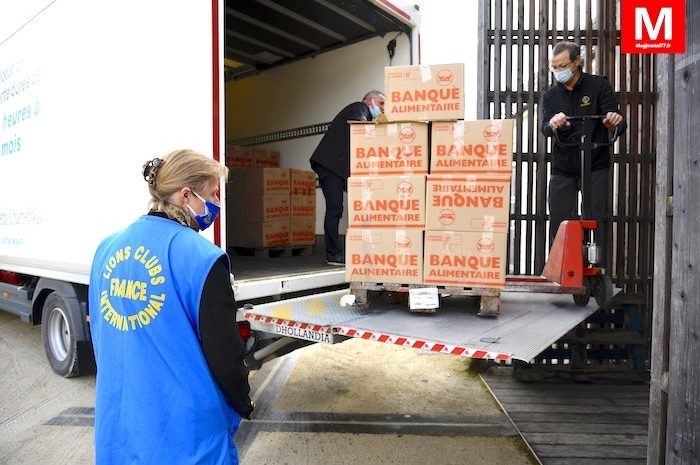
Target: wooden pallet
489,305
272,252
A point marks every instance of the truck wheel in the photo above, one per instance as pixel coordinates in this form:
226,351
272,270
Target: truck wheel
59,336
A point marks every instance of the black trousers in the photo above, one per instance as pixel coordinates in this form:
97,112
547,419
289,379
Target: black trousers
563,205
333,187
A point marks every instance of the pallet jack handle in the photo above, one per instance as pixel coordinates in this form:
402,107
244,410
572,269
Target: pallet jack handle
594,279
586,148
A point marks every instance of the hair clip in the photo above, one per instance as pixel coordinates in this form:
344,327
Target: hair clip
150,171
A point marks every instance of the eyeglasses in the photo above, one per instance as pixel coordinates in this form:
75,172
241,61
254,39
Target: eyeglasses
559,67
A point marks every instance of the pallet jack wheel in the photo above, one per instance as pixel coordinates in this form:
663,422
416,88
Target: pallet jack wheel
582,299
392,297
602,289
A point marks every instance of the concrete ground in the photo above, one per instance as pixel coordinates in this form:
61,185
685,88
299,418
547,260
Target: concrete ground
352,403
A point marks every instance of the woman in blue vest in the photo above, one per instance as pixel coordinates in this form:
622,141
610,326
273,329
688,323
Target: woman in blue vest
171,383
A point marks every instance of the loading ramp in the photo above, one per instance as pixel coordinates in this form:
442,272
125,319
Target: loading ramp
527,325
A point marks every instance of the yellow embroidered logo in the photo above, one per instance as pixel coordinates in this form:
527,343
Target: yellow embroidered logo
120,289
585,101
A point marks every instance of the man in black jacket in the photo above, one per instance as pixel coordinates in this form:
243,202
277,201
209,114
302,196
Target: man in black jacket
577,93
331,161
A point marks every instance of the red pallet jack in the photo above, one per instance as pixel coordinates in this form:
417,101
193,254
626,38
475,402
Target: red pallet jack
572,265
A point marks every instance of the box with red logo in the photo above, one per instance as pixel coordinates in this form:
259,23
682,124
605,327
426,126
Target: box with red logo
302,182
424,92
239,157
473,147
259,235
254,182
302,231
393,148
465,259
303,206
268,207
386,201
467,203
384,256
257,209
264,158
236,177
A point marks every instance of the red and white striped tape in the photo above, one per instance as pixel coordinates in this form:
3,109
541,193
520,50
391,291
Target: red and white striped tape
289,323
424,345
439,347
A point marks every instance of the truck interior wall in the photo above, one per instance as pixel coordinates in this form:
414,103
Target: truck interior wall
308,92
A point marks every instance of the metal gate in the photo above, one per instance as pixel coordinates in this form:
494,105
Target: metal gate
516,38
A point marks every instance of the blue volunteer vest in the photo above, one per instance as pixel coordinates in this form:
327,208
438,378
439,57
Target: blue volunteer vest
156,400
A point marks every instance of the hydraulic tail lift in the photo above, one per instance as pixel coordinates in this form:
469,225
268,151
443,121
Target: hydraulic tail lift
528,323
534,311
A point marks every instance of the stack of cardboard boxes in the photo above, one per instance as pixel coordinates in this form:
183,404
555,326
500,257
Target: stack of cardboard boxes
268,206
302,226
249,157
386,202
446,225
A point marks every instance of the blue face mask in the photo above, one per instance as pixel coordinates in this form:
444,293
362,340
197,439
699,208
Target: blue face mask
564,76
211,211
374,110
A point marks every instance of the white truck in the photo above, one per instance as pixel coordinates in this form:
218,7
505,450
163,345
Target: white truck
90,91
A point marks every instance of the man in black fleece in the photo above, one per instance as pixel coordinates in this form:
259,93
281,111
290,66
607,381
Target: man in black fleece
577,93
331,161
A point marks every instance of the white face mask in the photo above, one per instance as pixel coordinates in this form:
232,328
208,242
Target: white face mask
563,76
374,110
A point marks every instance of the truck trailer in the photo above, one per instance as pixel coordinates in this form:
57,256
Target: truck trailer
88,93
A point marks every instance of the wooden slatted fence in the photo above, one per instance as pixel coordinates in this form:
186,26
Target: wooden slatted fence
516,39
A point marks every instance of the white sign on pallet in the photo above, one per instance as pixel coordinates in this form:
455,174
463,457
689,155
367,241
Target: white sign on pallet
423,298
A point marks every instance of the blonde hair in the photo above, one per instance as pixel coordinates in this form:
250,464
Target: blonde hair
178,169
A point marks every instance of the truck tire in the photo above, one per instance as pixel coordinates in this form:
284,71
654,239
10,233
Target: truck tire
58,334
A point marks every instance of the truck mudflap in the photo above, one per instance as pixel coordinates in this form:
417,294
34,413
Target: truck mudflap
528,323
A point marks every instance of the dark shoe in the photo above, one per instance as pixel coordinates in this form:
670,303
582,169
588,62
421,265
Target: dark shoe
335,260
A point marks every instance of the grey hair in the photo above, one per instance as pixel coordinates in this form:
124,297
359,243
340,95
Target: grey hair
372,93
565,46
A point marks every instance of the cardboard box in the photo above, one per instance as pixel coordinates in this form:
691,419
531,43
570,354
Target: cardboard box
384,256
303,207
465,259
472,147
467,203
393,148
236,178
263,158
265,181
424,92
242,208
260,235
302,182
264,208
239,157
386,201
302,231
258,181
